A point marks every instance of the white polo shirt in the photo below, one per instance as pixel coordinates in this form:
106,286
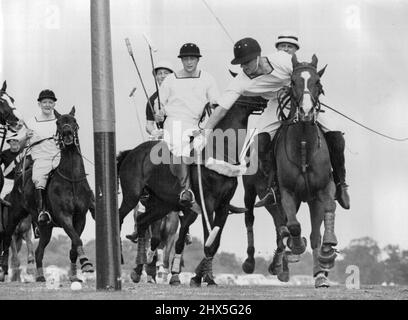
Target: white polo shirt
266,85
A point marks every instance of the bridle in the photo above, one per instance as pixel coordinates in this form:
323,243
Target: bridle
299,114
60,135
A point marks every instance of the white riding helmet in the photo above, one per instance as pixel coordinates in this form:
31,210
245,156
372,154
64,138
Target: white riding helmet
163,65
15,136
287,37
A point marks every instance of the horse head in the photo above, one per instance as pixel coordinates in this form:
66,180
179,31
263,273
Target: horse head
67,128
305,82
8,113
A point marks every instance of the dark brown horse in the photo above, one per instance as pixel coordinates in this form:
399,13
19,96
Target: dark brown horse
304,171
140,170
68,199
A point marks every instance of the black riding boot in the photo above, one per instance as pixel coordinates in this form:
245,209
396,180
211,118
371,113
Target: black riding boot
187,199
265,154
43,215
336,144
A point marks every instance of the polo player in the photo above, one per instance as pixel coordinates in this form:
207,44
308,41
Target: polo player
265,76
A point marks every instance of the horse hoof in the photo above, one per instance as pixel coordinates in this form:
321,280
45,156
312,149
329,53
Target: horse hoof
249,265
298,248
283,276
195,282
210,281
31,269
321,281
74,279
87,267
175,281
40,279
293,258
135,277
16,275
327,257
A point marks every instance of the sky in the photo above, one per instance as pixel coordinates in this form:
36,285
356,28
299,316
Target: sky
46,44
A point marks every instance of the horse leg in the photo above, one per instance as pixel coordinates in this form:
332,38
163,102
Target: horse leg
328,254
73,254
15,247
189,217
16,215
205,266
296,242
168,240
152,251
45,236
27,236
279,264
316,217
74,229
250,195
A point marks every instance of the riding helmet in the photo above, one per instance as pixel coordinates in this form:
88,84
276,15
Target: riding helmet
287,37
245,50
189,50
163,65
46,94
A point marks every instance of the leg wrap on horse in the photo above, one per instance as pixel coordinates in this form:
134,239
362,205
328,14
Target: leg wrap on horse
141,251
176,267
329,236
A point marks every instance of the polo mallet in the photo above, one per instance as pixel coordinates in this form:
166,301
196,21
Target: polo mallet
152,49
212,233
129,47
132,95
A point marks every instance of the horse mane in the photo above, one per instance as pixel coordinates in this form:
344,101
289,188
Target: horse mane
121,156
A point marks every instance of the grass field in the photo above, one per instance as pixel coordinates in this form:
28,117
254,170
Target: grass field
145,291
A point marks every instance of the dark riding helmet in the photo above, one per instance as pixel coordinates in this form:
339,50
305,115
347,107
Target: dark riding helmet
189,50
245,50
46,94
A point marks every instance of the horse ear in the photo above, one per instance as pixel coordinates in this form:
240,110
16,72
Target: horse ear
57,114
295,61
72,112
320,73
314,61
4,87
233,74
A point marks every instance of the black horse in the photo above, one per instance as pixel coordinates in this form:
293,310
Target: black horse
8,120
138,171
68,199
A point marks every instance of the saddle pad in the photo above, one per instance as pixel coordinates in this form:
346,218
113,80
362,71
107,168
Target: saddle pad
225,168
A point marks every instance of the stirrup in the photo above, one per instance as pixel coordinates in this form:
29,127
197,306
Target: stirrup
132,237
267,199
44,212
185,201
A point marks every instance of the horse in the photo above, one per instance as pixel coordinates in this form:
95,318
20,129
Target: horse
139,171
160,242
22,232
304,172
8,120
68,199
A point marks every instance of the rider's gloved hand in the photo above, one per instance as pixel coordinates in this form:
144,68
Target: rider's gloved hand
200,140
